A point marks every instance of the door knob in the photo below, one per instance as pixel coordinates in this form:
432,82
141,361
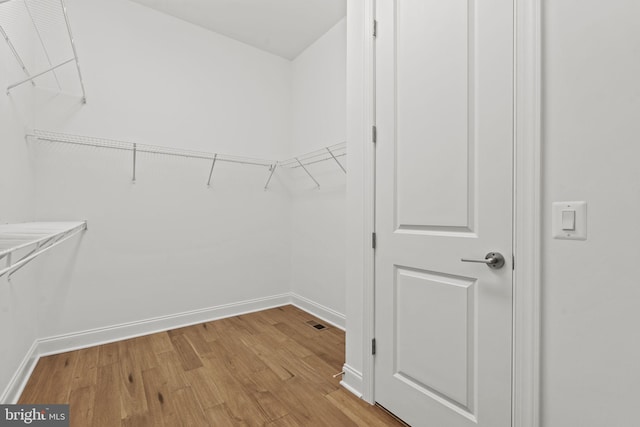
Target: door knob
493,260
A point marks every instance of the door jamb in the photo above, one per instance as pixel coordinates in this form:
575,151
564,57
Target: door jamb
526,210
527,213
369,153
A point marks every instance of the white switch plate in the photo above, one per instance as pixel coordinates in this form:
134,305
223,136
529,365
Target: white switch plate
580,231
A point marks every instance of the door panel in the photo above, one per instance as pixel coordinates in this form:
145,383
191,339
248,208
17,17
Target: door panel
445,124
444,91
444,306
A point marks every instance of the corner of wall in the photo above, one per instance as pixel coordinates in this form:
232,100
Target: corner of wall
17,193
19,379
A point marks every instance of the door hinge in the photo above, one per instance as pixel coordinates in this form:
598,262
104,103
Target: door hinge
373,347
513,262
374,134
373,240
375,28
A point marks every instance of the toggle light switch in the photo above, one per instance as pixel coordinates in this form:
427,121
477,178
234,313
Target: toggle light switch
568,220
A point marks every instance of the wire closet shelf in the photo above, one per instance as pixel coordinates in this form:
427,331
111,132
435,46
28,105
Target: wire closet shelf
329,153
35,238
50,22
332,152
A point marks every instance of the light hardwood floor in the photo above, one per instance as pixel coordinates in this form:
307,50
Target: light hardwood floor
266,368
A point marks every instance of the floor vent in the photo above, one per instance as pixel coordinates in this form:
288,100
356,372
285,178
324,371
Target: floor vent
316,325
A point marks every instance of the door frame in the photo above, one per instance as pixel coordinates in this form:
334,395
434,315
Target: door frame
527,173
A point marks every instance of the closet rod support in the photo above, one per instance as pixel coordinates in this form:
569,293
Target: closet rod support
334,158
215,156
30,79
30,256
42,248
135,152
272,169
307,171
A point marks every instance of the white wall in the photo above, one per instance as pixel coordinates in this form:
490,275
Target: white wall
156,79
18,318
318,261
16,116
166,244
591,340
169,244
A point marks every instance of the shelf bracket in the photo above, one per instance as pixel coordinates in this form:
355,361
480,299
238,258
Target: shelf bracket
308,173
215,156
31,78
75,52
40,247
15,54
135,152
334,158
52,68
26,257
272,169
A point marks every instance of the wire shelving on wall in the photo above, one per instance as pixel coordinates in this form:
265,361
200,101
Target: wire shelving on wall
34,238
54,43
330,153
136,148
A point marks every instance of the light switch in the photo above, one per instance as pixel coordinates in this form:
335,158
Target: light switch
569,220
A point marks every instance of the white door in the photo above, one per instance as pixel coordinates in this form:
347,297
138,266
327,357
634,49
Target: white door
444,116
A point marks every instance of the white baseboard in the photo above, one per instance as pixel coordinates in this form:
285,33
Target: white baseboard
99,336
12,392
320,311
352,380
78,340
89,338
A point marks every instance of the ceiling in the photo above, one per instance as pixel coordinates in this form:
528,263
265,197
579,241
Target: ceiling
281,27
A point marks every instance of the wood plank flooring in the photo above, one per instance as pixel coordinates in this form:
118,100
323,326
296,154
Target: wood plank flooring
266,368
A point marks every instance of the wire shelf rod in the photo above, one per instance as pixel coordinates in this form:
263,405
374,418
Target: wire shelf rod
309,173
273,169
322,151
146,148
30,79
333,152
135,152
334,158
319,151
62,13
151,151
296,166
336,148
15,241
213,164
43,236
